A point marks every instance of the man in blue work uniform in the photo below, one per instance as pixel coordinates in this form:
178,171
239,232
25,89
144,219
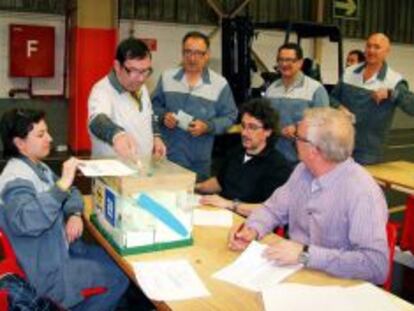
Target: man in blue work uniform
193,104
371,91
291,95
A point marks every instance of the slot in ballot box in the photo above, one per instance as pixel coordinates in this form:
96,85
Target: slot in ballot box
150,210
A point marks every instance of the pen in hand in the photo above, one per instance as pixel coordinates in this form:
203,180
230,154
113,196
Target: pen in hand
238,233
245,235
241,237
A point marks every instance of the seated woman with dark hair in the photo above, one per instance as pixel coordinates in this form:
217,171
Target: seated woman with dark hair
42,218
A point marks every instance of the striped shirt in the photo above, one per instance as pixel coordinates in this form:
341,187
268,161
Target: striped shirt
341,215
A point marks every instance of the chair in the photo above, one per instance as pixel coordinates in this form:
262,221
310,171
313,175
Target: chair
392,232
9,261
407,236
312,69
4,303
10,265
280,231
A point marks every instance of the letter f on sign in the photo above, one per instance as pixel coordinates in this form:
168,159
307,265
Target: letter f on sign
31,47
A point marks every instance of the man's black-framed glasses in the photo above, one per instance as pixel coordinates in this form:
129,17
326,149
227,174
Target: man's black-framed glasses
138,72
251,127
286,60
297,138
196,53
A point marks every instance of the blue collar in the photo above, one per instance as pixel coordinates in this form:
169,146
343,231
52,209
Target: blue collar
298,82
381,73
40,168
113,80
205,76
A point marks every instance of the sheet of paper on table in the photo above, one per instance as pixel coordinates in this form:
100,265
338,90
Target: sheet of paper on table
295,297
105,167
254,272
169,280
218,218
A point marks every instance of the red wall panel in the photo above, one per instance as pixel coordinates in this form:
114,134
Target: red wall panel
92,56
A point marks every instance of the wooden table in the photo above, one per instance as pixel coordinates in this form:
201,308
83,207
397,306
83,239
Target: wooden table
209,254
397,175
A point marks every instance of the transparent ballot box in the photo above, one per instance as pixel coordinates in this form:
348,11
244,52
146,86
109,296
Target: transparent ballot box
149,210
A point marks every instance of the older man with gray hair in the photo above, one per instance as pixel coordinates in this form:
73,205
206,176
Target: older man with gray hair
372,91
336,212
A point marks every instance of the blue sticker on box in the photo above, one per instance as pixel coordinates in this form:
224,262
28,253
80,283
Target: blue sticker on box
110,213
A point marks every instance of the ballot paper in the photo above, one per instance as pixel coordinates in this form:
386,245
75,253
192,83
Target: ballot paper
295,297
184,119
298,297
169,280
254,272
194,199
218,218
104,167
369,297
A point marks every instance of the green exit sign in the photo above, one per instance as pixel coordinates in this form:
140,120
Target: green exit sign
346,9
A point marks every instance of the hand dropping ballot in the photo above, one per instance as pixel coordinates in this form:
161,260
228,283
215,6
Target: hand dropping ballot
105,167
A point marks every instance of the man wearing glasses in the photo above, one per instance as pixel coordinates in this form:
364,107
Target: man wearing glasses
120,118
193,104
251,172
291,95
335,210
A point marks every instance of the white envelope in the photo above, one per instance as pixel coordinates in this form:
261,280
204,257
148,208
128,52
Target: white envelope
184,119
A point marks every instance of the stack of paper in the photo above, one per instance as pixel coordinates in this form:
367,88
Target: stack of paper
169,280
219,218
254,272
298,297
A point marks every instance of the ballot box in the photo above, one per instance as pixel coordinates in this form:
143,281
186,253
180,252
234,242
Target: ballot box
149,210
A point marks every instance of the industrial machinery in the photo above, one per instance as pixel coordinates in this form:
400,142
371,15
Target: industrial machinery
237,63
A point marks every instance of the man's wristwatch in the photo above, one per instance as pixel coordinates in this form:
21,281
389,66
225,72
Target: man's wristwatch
304,255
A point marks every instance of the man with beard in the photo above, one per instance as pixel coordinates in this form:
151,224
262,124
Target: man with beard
253,171
120,113
193,104
291,95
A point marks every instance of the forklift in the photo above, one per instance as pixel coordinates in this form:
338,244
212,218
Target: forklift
237,62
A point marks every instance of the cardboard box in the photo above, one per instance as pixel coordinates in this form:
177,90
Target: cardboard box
150,210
